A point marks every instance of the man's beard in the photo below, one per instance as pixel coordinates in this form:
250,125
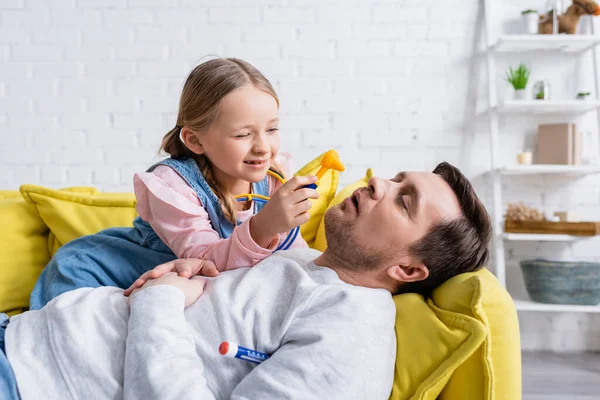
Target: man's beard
343,245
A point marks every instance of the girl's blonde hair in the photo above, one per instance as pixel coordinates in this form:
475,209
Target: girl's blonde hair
199,106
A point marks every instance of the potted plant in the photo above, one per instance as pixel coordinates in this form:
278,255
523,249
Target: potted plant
518,78
530,21
583,95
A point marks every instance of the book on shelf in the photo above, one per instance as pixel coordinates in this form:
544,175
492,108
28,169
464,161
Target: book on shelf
559,144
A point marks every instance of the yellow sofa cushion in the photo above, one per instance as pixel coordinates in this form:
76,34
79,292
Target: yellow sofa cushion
23,251
493,372
76,212
320,242
327,187
431,343
462,343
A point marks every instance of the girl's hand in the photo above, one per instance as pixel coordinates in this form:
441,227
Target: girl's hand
184,267
192,288
287,209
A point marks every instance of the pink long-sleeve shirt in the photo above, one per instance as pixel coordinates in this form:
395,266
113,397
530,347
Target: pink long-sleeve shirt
171,207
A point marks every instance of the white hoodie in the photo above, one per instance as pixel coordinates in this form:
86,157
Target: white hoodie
327,339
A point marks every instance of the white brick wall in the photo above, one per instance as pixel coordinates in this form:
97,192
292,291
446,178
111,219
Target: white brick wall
89,87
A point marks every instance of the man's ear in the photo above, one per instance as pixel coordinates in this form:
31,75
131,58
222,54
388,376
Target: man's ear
190,139
408,273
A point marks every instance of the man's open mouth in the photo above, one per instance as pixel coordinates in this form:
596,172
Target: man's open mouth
351,201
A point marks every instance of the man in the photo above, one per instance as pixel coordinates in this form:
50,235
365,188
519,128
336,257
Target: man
327,320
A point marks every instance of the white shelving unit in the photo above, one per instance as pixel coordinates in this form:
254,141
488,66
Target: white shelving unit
573,107
535,43
540,169
537,237
524,305
496,46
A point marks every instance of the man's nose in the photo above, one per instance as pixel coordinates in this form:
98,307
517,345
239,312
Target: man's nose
376,187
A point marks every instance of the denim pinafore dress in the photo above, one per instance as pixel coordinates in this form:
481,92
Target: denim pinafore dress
118,256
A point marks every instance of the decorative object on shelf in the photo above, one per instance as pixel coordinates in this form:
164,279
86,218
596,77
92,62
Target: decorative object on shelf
521,212
525,157
552,228
531,19
562,282
518,78
567,216
548,23
570,19
583,95
567,22
559,144
541,90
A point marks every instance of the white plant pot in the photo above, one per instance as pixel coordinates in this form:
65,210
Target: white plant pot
521,94
530,23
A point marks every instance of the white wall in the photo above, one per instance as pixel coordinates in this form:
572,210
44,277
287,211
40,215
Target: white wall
89,87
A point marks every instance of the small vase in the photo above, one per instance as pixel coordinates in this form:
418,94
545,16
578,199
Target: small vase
520,94
530,23
541,90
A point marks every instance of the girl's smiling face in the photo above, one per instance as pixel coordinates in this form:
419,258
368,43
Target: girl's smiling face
243,141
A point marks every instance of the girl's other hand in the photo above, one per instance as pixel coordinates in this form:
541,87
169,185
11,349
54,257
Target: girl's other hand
184,267
192,287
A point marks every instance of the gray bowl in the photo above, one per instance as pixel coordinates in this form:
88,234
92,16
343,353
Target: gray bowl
559,282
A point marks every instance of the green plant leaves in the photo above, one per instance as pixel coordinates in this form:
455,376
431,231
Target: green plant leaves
519,77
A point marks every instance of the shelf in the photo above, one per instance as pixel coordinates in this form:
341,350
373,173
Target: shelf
582,228
524,305
548,106
542,237
529,43
540,169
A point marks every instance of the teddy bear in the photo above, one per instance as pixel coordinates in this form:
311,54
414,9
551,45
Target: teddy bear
567,22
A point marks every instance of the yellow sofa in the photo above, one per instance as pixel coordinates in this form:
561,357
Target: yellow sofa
461,344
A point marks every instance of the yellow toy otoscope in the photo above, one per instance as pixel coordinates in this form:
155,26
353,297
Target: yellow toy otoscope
330,160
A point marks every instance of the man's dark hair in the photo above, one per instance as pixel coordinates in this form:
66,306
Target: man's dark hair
453,247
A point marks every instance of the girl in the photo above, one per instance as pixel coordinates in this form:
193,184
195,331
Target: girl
225,143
